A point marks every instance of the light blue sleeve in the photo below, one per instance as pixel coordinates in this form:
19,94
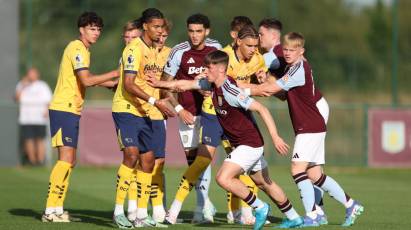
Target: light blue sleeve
236,96
294,77
271,61
174,59
204,84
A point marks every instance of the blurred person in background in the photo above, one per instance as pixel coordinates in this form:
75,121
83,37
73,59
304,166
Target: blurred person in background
33,96
131,30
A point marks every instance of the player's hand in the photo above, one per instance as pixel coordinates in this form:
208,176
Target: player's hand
261,76
152,81
280,145
165,108
186,117
115,73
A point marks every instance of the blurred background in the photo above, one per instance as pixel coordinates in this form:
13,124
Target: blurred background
360,52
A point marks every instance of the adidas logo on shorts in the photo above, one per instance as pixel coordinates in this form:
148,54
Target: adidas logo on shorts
295,156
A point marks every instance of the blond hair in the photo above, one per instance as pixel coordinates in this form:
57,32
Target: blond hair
294,39
130,25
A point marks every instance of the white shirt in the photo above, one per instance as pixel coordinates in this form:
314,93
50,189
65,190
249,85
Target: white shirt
34,100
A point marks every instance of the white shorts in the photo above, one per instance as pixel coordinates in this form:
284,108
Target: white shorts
248,158
323,108
189,134
309,147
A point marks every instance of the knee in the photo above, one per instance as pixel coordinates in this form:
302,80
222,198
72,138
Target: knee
222,180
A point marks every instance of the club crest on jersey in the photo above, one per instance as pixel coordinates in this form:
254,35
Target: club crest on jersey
191,61
285,78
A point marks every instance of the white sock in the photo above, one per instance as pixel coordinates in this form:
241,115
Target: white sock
175,208
202,187
291,214
118,209
159,209
142,213
132,205
349,203
246,211
50,210
319,210
59,210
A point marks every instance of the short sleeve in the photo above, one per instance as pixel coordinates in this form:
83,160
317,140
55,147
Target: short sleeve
294,77
80,58
174,59
131,59
271,61
236,97
204,84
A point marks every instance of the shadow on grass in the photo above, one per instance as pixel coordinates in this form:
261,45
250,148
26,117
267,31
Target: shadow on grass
97,217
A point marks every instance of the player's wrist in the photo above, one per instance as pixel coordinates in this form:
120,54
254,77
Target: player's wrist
178,108
247,91
152,100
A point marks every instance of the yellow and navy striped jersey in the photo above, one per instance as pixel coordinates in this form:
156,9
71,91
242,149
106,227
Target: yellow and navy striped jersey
155,114
137,58
69,92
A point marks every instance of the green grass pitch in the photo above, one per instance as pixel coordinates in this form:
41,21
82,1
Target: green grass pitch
385,193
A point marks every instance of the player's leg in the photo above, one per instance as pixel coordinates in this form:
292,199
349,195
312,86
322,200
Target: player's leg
157,184
126,128
210,138
237,162
144,172
262,179
315,171
64,129
190,177
328,184
245,209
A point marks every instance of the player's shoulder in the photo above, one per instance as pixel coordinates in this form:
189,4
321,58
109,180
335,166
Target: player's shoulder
299,67
228,49
179,49
76,45
230,86
213,43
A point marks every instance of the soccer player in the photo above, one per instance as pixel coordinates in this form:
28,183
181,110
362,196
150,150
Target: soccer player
186,62
245,63
270,42
65,109
133,103
309,115
233,109
159,134
131,31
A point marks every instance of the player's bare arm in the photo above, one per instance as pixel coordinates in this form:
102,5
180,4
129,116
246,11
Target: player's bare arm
280,145
134,90
87,79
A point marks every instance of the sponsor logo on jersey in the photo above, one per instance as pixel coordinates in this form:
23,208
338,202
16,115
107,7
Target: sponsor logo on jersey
195,70
221,111
152,68
191,61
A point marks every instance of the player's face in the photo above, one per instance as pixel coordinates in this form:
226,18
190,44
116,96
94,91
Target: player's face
197,34
162,40
90,33
154,28
130,35
266,37
292,54
247,47
213,71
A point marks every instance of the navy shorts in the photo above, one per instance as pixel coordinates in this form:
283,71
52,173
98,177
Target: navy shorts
211,132
159,138
64,128
134,131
